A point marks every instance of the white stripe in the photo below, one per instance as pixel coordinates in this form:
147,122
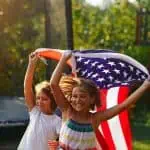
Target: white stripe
100,129
114,123
98,146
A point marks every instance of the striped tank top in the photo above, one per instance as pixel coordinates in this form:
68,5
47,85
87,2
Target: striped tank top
77,136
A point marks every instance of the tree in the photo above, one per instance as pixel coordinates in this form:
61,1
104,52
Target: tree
22,30
103,29
113,28
20,34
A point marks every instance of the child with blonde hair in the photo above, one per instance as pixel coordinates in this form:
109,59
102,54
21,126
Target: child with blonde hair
44,125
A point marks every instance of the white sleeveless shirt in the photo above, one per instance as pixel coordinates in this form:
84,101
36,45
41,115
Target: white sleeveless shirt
41,128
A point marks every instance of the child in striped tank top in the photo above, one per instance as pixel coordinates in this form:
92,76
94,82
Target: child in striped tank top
76,97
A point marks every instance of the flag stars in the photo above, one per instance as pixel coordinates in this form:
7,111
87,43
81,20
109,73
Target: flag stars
117,71
125,84
131,68
138,72
84,72
89,74
108,72
117,81
94,63
100,79
110,78
129,78
80,59
95,75
143,77
87,62
122,64
109,85
125,74
100,66
111,63
105,71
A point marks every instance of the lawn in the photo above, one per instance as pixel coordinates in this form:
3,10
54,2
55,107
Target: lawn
140,124
142,145
141,137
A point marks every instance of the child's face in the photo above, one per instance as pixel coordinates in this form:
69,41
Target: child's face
80,100
43,102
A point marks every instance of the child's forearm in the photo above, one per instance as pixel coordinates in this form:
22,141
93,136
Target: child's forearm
137,94
58,71
29,75
54,83
111,112
28,81
28,91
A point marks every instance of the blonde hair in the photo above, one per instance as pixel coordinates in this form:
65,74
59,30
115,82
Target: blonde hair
44,86
67,83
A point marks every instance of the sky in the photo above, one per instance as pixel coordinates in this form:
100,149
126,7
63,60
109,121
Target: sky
97,2
104,3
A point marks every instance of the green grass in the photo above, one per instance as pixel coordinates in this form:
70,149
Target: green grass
140,124
141,145
141,137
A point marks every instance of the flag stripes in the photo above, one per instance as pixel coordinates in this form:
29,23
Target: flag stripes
116,131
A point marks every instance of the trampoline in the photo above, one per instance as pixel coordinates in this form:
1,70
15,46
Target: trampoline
13,111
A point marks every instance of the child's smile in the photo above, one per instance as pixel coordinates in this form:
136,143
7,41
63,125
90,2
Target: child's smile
80,99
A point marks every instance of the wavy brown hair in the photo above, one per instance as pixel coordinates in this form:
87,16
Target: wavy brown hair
67,83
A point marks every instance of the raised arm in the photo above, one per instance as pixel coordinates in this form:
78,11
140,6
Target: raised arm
28,81
111,112
54,82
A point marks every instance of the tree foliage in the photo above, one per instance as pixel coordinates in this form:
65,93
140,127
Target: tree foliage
113,28
94,28
20,34
22,30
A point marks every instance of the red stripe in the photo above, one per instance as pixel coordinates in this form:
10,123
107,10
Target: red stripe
123,117
51,54
124,122
104,125
101,140
107,135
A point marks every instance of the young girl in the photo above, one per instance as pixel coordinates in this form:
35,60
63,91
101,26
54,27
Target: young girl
44,125
79,123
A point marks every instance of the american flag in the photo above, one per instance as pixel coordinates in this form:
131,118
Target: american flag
113,73
107,68
114,134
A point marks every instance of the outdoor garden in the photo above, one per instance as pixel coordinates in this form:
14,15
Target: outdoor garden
122,26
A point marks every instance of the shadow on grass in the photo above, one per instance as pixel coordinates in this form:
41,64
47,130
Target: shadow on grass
10,137
141,137
140,132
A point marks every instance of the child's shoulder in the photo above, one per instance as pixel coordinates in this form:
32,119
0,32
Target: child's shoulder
34,110
56,118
